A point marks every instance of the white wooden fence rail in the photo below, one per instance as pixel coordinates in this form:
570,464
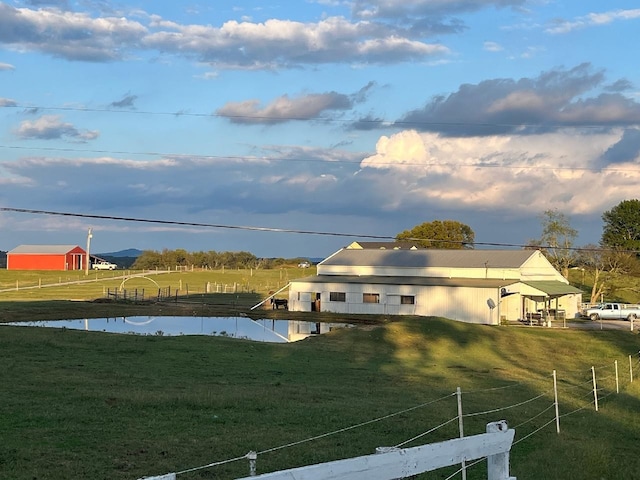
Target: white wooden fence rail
402,463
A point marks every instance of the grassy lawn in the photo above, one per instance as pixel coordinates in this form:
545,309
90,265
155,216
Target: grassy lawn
95,405
42,285
45,295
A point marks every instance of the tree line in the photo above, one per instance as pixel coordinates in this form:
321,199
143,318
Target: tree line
150,259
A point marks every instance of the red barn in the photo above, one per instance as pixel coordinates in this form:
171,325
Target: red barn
46,257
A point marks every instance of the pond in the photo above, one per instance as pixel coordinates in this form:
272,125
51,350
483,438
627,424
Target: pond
264,330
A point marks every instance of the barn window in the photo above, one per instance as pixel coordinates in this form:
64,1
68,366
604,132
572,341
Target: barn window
337,297
370,298
407,299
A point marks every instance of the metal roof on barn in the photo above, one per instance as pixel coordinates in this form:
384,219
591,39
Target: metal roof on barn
420,281
43,249
400,245
431,258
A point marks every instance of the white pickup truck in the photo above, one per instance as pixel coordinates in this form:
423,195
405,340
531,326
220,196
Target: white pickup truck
613,311
104,266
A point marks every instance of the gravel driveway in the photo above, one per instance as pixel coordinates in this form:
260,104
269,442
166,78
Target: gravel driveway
605,325
589,325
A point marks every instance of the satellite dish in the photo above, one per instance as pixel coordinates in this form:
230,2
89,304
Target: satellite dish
491,303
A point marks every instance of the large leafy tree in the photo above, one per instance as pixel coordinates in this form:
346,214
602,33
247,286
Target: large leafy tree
557,240
622,226
448,234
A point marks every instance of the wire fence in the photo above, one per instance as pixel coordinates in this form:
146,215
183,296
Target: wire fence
541,411
172,294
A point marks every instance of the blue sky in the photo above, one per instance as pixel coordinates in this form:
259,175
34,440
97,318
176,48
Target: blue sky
362,117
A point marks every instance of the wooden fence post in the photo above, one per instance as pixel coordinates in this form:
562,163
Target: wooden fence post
498,463
253,457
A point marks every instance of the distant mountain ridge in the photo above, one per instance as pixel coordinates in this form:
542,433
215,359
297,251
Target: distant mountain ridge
129,252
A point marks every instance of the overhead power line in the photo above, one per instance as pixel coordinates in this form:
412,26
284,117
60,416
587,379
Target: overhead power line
192,224
403,124
272,118
293,231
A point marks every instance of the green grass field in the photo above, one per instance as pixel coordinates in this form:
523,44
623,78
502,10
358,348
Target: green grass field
105,406
90,405
46,285
46,295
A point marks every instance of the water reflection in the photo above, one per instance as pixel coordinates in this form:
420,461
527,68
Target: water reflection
264,330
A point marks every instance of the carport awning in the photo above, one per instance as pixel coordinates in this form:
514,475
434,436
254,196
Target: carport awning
547,288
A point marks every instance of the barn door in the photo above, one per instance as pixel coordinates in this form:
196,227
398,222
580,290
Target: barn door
315,303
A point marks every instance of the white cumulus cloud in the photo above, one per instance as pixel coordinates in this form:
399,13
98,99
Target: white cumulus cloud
512,173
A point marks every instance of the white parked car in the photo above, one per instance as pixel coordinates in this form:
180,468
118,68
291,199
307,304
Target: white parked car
304,265
104,266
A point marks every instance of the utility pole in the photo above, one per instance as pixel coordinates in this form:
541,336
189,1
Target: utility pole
89,235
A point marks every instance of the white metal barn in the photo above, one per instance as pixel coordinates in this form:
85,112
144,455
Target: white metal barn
476,286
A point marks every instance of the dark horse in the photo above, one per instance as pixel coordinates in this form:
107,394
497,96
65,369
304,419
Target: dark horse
277,302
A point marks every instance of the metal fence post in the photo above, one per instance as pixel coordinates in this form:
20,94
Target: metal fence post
595,388
461,428
617,381
555,401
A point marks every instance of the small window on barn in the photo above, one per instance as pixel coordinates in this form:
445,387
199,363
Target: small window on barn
407,300
370,298
337,297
